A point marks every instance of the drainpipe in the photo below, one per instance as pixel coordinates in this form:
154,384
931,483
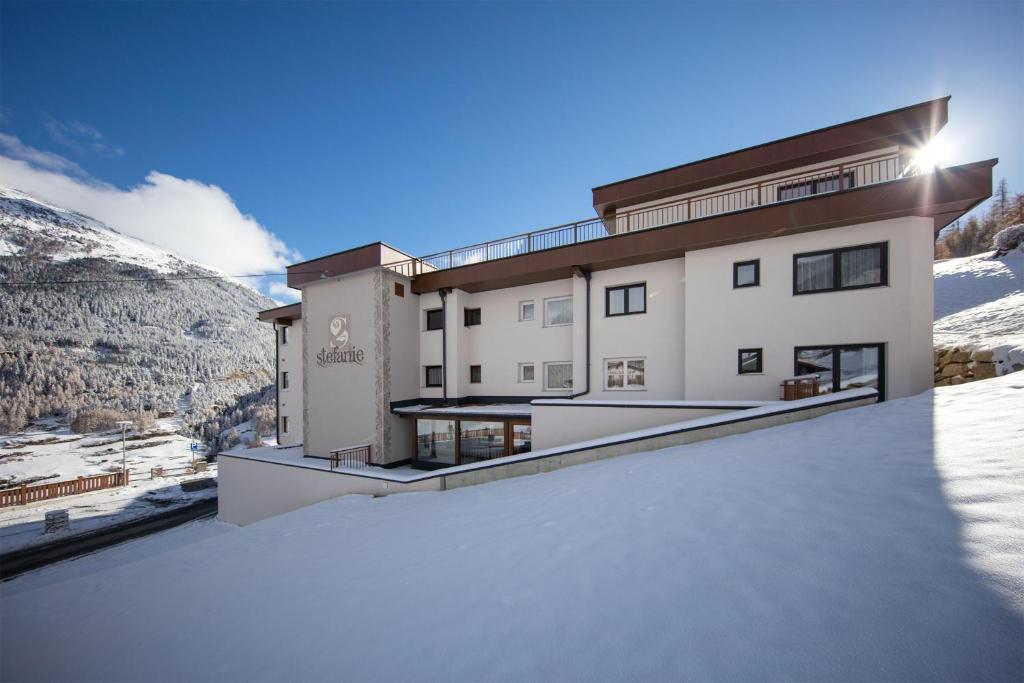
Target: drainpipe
586,390
277,384
444,344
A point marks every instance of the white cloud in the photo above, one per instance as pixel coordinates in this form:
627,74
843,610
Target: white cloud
282,293
16,149
191,218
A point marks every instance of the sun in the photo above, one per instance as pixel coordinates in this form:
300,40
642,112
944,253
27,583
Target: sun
930,157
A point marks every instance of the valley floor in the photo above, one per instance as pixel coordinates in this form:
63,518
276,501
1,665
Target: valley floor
49,452
878,543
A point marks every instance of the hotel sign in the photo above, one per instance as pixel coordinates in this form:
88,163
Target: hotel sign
338,350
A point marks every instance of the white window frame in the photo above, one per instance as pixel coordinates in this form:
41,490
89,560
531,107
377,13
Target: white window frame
557,362
626,386
551,300
533,311
523,366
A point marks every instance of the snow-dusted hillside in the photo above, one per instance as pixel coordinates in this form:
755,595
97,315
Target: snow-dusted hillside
881,543
192,344
979,303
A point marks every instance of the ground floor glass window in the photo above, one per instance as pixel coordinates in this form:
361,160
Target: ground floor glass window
435,441
843,367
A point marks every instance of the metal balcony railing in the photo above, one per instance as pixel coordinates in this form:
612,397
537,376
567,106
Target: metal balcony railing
831,179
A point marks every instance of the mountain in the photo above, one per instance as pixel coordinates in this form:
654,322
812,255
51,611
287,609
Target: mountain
192,346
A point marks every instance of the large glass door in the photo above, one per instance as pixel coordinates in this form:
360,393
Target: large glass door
843,367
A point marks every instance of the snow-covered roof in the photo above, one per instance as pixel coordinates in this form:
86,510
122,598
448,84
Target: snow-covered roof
496,409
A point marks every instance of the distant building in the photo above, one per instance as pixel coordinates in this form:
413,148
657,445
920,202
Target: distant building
715,280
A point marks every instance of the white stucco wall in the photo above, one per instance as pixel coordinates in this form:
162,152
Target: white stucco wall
657,336
499,344
289,359
251,490
559,425
720,320
340,399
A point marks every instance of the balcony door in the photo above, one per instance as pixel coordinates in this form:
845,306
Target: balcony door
843,367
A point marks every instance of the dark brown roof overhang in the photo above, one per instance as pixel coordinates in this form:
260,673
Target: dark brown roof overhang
282,315
943,196
343,262
913,126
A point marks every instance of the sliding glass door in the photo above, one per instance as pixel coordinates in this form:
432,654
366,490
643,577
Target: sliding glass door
843,367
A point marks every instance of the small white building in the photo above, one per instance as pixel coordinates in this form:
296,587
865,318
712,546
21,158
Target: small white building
717,280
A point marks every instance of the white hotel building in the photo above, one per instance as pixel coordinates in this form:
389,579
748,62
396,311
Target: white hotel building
696,286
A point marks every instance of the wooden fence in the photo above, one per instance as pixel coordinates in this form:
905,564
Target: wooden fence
23,495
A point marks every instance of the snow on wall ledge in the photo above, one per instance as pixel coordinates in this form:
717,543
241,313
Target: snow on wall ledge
252,485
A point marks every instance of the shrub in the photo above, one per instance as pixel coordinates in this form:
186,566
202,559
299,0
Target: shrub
97,419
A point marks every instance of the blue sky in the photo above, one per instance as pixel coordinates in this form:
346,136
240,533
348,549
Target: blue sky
430,126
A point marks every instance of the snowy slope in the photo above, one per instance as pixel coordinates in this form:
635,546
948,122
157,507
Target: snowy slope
879,543
117,344
75,236
979,303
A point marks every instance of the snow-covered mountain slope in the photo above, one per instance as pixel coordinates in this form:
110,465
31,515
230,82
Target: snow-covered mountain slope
125,345
979,303
881,543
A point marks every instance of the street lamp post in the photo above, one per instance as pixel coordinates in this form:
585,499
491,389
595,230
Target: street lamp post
123,424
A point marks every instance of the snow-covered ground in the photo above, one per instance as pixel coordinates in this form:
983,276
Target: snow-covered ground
48,452
879,543
979,303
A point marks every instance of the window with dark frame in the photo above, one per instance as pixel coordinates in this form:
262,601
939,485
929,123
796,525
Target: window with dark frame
435,319
813,186
284,379
750,362
399,289
284,336
625,300
471,316
474,374
432,376
844,366
746,274
835,270
284,424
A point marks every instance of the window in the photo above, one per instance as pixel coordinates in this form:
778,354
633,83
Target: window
525,311
558,311
432,375
526,372
558,376
806,188
284,424
435,319
625,300
472,316
746,274
399,289
750,362
435,442
838,269
474,374
284,379
480,440
442,442
624,373
284,336
843,367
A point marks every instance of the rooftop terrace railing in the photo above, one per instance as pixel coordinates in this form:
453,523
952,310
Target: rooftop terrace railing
827,180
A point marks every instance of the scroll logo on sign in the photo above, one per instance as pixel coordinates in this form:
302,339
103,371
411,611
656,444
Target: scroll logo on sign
338,350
